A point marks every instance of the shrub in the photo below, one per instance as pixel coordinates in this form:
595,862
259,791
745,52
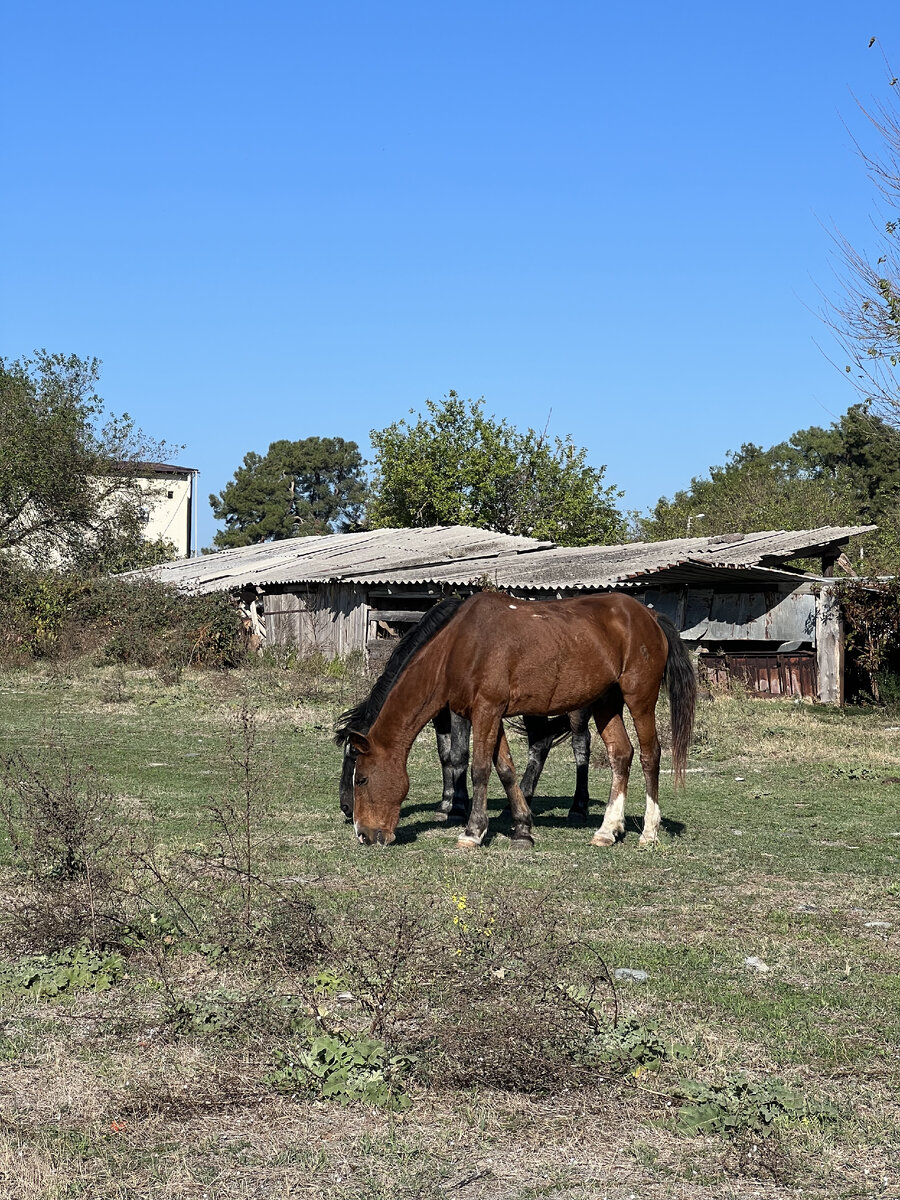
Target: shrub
134,622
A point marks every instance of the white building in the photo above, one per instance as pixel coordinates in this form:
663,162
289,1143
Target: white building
170,508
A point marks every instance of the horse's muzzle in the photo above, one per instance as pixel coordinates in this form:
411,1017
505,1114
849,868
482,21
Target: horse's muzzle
373,837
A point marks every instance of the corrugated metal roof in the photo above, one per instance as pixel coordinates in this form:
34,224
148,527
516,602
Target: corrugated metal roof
377,552
459,555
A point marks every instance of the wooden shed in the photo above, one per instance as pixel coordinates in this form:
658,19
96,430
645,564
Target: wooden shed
736,599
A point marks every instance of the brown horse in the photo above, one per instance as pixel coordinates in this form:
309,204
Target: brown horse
492,656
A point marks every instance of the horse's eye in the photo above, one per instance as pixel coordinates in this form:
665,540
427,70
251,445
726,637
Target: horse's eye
362,780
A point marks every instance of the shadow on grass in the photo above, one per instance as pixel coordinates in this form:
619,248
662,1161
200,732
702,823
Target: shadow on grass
550,812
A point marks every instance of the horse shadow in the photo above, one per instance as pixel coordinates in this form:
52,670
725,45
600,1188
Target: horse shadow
550,812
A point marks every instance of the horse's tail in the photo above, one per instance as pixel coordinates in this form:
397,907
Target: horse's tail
681,684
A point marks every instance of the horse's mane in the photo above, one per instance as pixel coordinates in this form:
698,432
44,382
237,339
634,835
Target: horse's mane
361,717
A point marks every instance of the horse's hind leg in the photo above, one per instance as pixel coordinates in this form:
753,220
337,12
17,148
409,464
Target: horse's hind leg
581,749
644,717
608,716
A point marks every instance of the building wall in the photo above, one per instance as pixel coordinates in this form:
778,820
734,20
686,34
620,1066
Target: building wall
330,619
748,627
169,509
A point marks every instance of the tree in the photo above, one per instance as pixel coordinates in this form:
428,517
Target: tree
751,491
69,493
457,466
847,474
315,485
866,319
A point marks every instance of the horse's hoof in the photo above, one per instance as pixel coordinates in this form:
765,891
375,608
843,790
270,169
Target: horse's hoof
603,839
576,818
524,842
468,843
648,843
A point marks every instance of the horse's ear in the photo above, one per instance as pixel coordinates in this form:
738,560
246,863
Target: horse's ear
359,743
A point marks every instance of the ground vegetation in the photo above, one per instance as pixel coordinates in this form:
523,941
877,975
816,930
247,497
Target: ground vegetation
207,988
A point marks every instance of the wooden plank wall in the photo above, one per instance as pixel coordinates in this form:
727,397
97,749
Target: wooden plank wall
329,619
765,674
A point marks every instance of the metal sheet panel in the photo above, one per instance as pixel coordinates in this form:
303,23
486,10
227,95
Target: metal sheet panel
761,617
696,613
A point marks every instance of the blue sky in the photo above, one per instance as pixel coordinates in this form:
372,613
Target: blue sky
294,219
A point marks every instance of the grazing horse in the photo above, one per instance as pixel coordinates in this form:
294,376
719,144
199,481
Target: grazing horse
543,734
453,750
488,657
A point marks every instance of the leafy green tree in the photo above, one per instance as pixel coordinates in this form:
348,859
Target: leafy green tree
751,491
69,491
859,454
457,466
315,485
847,474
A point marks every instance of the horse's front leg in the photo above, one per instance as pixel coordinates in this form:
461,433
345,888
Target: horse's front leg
521,813
453,750
485,732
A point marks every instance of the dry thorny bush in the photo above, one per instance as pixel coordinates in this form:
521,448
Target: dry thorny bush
480,992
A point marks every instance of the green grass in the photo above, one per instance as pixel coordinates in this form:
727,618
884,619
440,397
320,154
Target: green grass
783,847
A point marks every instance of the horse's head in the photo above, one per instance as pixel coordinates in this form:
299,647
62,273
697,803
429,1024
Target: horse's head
379,789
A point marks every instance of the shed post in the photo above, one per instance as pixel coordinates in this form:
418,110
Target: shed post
829,647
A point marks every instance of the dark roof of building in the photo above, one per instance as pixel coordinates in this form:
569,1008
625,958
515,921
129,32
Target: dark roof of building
156,468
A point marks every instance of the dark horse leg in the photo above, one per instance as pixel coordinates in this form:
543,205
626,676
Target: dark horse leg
581,749
452,733
607,713
543,733
490,747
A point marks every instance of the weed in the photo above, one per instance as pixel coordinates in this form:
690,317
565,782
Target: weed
73,970
218,1012
60,818
634,1046
238,819
114,688
346,1069
739,1105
